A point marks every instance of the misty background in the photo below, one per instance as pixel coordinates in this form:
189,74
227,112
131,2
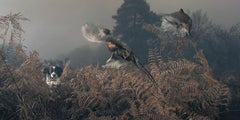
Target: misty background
54,27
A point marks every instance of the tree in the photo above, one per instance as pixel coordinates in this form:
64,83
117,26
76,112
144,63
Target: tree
129,21
219,44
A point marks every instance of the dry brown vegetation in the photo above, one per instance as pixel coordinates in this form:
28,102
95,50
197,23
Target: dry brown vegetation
187,90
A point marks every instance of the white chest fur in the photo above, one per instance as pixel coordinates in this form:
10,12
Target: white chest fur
52,82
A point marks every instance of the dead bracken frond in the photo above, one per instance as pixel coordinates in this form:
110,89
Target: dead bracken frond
190,86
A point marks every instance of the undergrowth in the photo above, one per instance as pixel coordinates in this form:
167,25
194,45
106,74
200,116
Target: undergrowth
187,90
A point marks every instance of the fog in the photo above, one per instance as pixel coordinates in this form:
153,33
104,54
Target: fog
224,12
54,26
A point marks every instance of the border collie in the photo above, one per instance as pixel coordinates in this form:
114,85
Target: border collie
52,75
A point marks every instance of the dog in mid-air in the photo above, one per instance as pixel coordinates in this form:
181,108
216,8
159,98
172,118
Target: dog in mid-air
52,75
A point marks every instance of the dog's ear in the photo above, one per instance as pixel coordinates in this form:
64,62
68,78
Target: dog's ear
59,70
45,70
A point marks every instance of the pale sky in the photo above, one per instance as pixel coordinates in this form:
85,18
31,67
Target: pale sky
54,26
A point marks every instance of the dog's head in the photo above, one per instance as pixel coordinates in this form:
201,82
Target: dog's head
53,71
53,74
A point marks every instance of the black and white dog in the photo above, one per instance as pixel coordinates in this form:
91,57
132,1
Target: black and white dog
52,75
